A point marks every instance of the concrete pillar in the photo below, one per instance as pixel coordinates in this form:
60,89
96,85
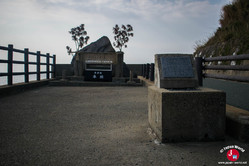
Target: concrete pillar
64,74
131,75
119,65
152,66
147,71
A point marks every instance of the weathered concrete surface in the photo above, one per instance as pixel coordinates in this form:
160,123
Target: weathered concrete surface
91,126
21,87
187,115
237,123
146,82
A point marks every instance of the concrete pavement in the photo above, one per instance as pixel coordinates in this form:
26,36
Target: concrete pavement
93,126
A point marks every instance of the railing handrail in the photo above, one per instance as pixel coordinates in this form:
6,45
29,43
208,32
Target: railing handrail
200,66
227,58
227,67
22,51
10,50
227,77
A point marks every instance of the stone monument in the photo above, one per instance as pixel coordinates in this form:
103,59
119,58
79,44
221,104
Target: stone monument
99,54
175,71
178,109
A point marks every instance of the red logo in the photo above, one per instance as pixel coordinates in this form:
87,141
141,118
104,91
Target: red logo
233,155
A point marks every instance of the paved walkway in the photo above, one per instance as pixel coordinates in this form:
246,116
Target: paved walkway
92,126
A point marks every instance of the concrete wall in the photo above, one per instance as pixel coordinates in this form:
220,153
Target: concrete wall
61,67
237,92
115,57
137,69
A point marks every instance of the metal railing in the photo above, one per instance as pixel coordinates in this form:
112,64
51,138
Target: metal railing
201,67
148,71
10,61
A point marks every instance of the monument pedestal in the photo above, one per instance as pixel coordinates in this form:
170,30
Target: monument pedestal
187,115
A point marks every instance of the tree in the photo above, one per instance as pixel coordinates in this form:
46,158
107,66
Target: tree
121,35
79,36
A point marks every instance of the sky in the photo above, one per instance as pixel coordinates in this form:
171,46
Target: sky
160,26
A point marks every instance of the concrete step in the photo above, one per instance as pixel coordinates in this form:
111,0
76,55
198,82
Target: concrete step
237,123
88,83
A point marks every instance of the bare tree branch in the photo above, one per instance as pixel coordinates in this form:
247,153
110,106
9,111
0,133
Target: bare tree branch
121,35
79,36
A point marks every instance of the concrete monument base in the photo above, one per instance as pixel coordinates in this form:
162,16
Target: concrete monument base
187,115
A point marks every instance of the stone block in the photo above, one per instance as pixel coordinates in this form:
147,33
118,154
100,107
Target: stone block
237,123
175,71
187,115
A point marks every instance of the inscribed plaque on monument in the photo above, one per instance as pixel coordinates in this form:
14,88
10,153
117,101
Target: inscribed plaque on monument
177,67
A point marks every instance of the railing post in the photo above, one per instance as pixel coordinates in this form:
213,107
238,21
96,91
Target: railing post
38,66
54,66
199,68
47,65
152,66
10,64
26,65
147,71
144,70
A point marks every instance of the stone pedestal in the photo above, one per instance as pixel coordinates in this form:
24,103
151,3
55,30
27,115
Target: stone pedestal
119,64
187,115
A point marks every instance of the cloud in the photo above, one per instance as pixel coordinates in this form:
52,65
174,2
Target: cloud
168,11
145,9
159,25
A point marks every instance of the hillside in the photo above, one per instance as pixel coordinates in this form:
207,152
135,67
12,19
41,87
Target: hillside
232,37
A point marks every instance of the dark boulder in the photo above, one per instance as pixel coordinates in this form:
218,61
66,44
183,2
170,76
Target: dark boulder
101,45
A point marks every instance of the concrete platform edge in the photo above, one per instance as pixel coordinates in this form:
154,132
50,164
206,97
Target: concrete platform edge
237,123
237,120
21,87
91,84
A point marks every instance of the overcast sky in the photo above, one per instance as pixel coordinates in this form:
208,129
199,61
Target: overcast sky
160,26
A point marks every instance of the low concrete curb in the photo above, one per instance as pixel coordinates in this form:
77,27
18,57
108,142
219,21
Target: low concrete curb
78,81
145,81
237,123
91,84
21,87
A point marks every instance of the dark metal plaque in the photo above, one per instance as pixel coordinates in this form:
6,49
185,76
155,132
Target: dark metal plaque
177,67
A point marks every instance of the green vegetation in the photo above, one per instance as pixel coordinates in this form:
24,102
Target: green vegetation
233,34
